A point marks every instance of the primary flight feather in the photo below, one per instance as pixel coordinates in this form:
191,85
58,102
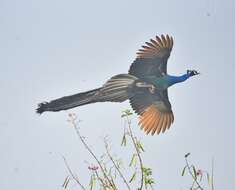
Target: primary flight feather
145,86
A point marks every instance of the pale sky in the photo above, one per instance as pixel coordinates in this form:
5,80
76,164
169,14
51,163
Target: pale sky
50,49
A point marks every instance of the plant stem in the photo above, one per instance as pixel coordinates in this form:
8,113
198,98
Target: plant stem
71,173
137,152
115,165
91,152
98,177
212,175
194,177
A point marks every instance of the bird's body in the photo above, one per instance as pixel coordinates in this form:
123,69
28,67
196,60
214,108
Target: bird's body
145,86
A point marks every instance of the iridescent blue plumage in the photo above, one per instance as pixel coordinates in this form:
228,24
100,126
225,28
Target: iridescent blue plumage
171,80
176,79
164,82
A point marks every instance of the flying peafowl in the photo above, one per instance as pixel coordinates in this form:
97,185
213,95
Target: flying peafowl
145,86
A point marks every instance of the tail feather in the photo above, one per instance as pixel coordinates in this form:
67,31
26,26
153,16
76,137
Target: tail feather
67,102
117,89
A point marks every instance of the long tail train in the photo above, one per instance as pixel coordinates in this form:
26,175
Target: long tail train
117,89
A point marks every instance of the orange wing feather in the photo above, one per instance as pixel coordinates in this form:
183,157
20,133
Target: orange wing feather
152,120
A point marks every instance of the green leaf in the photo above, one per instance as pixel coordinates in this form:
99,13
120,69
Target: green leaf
147,171
151,181
123,140
133,160
126,113
208,179
92,182
140,146
183,171
110,171
194,172
132,177
123,115
148,181
66,182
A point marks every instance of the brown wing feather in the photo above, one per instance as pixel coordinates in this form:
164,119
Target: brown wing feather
160,47
159,41
145,118
152,58
156,123
167,123
156,120
164,41
144,123
152,120
168,41
159,128
151,123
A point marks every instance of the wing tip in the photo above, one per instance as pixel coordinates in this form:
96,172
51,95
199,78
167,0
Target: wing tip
153,47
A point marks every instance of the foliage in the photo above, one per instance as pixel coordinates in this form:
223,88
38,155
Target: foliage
108,171
198,175
104,175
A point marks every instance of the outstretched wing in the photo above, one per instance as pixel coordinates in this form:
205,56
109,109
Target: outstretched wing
154,110
152,58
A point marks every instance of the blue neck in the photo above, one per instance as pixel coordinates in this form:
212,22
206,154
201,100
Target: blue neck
177,79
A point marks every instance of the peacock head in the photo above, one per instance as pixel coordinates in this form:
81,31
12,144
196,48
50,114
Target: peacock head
192,73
